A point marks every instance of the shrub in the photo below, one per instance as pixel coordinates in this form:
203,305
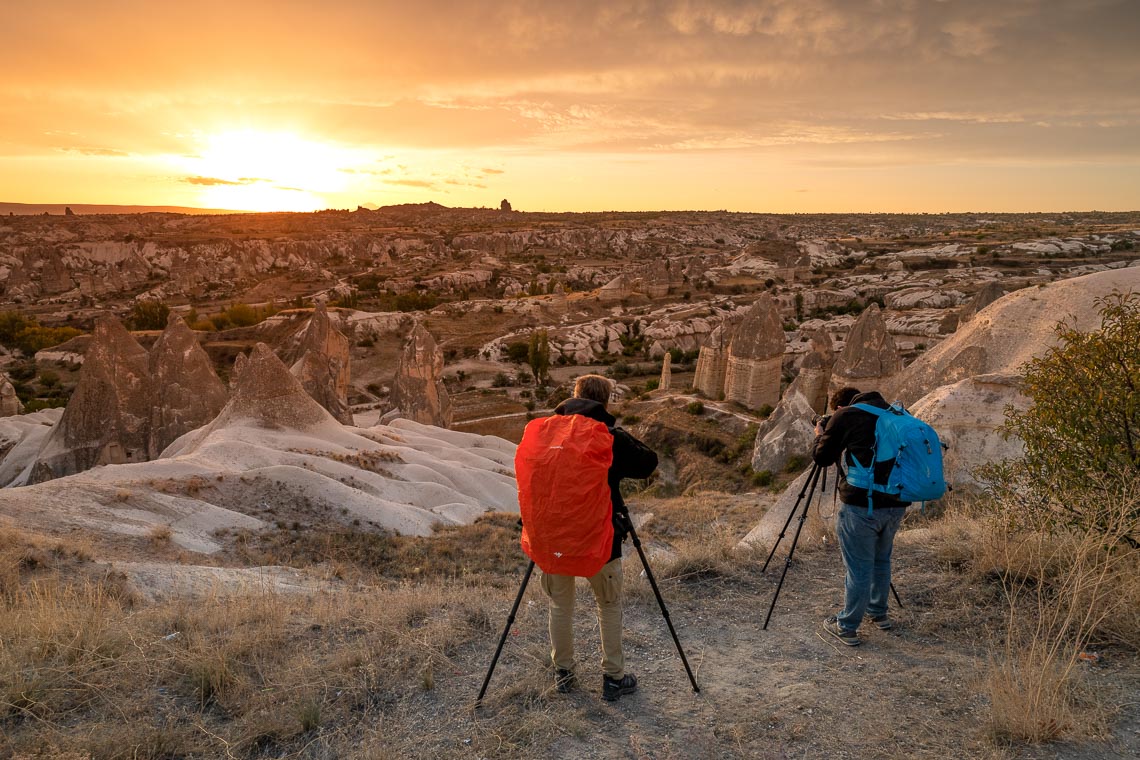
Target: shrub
762,478
1082,429
149,315
695,408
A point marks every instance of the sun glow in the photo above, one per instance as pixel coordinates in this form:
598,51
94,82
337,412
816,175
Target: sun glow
255,170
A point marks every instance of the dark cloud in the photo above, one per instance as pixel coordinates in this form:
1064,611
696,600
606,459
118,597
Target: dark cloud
86,151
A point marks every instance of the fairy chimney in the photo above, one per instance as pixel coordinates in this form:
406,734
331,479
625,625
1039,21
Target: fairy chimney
870,357
712,361
815,371
107,419
323,368
666,372
755,357
417,390
266,394
187,392
9,402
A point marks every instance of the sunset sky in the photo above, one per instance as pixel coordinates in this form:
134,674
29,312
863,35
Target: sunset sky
769,105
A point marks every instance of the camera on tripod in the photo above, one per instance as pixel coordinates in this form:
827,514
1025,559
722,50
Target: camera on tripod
821,420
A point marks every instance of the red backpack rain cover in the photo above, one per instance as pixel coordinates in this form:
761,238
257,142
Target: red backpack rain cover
562,466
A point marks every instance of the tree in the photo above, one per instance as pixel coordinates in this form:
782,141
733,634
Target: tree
538,356
149,315
1082,429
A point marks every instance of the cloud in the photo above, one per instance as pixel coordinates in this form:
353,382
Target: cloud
211,181
491,171
88,151
412,183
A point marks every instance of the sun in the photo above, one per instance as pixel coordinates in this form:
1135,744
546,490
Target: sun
254,170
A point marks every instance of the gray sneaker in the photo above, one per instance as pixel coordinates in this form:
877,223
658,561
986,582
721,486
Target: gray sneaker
850,638
882,622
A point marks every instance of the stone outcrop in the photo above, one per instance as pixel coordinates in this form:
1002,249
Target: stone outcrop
870,359
617,289
712,363
107,420
323,368
9,402
815,371
968,416
983,298
787,432
417,390
666,381
754,357
1011,331
187,393
266,394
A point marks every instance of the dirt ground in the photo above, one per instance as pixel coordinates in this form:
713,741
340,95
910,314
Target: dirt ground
785,692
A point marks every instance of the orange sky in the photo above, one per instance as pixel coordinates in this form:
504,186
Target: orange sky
768,105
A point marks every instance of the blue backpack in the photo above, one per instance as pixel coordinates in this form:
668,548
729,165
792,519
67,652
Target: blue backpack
917,472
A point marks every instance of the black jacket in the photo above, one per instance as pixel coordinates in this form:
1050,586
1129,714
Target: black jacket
852,430
632,459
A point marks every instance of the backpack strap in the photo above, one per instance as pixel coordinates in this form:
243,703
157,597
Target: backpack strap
877,412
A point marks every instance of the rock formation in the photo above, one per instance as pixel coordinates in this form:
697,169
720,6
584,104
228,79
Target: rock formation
712,363
267,395
1011,331
787,432
417,390
323,368
755,355
617,289
108,417
968,416
9,401
187,392
666,372
658,279
870,359
815,371
983,298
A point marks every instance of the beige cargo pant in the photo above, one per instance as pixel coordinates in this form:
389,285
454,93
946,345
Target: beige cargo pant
607,591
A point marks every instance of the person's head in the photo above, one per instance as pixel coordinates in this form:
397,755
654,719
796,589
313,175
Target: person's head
843,397
594,388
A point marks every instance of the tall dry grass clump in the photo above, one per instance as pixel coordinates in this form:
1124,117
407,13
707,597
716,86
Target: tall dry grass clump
1067,591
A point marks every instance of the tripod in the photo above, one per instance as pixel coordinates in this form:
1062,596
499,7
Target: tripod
807,490
628,524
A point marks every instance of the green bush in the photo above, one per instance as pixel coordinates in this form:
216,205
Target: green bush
1082,428
695,408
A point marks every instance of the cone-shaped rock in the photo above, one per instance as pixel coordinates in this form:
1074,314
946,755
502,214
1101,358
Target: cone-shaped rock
666,372
323,368
418,389
187,391
107,419
755,356
712,362
268,395
9,401
983,298
235,371
870,358
787,432
815,371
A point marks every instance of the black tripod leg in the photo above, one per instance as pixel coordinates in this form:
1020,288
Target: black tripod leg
661,603
808,485
503,638
897,600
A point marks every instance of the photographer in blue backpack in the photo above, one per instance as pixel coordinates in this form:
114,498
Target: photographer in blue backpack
889,459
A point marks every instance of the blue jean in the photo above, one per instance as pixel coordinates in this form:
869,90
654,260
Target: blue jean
866,542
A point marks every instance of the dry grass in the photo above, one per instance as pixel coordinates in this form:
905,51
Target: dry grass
1066,592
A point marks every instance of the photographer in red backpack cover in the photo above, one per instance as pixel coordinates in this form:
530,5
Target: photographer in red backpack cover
866,537
631,459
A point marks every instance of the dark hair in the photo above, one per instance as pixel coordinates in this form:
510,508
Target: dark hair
843,397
